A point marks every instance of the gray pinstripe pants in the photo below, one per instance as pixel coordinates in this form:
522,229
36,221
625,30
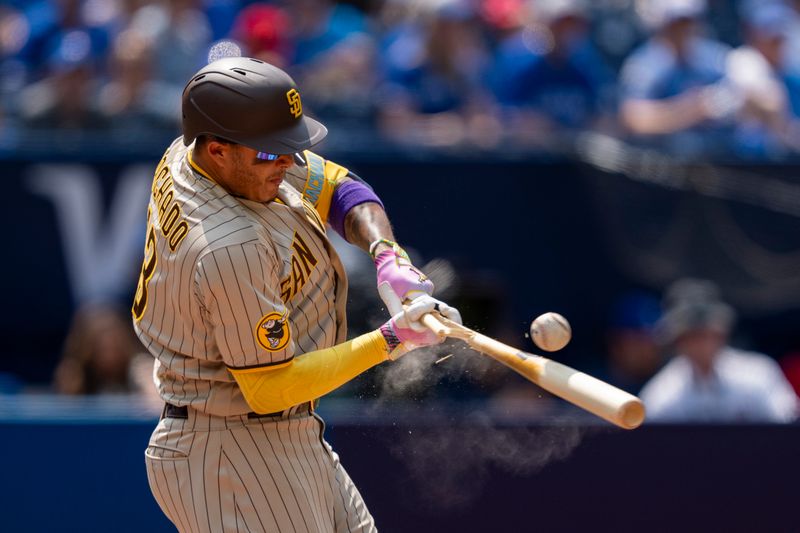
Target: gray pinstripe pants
218,474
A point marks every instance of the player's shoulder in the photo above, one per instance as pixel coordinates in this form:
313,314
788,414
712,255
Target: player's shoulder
175,153
226,225
751,367
309,159
216,219
312,169
298,172
234,248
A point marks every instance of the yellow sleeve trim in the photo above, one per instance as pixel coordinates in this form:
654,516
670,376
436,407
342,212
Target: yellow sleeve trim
323,176
311,375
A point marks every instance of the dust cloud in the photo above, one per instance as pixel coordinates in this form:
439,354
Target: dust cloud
449,456
449,466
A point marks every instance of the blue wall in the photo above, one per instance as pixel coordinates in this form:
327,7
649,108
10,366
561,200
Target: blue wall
88,477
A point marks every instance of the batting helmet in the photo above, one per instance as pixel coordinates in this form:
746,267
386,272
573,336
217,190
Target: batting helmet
249,102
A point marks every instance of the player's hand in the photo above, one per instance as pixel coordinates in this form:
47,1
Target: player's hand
396,271
405,331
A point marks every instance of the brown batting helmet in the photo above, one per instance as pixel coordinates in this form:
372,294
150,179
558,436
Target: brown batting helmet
249,102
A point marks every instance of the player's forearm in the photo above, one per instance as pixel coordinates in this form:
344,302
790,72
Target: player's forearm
310,375
367,223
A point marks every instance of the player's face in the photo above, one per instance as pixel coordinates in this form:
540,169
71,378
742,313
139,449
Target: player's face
701,345
254,178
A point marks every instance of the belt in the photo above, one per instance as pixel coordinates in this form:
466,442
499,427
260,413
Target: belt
182,411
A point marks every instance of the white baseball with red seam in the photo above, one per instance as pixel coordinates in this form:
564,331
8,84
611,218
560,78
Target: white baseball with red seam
551,332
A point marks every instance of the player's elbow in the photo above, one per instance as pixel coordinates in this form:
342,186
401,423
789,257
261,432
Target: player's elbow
266,403
263,406
261,394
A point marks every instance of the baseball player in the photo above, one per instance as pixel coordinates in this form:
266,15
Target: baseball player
241,300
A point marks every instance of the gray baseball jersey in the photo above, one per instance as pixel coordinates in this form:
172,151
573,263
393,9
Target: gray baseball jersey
232,283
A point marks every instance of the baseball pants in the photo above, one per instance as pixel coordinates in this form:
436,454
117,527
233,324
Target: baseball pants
271,474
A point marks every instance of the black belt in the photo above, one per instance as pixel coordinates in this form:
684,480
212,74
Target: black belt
182,411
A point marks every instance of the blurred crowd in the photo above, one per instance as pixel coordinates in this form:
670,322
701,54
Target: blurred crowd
696,78
692,78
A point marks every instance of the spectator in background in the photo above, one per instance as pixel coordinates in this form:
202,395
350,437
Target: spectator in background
177,34
221,15
102,355
707,380
320,26
46,23
65,98
550,76
767,125
436,66
14,70
791,57
634,354
669,86
133,99
333,58
263,31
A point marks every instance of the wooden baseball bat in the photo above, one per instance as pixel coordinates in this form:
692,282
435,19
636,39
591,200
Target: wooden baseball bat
596,396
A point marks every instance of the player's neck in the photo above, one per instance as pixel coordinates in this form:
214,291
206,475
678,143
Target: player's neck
205,167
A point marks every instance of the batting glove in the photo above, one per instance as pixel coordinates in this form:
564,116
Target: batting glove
405,331
396,271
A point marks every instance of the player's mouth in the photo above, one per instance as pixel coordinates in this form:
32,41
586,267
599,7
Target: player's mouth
276,179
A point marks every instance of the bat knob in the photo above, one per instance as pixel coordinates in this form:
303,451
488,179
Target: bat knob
632,414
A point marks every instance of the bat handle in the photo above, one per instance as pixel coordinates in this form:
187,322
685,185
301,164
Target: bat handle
435,325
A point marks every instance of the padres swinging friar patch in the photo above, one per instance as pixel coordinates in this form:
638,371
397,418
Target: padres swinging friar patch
272,332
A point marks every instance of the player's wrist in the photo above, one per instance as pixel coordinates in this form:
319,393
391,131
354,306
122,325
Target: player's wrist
390,336
380,246
394,346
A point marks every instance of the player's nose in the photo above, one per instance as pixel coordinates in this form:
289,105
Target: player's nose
285,161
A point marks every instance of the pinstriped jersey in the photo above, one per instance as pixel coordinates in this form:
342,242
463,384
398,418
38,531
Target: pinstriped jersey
229,282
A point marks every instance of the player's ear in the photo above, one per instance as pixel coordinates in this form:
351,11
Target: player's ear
217,149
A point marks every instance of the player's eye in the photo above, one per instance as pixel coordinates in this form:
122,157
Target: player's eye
267,157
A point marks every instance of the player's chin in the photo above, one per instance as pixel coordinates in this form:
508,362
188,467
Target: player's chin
269,190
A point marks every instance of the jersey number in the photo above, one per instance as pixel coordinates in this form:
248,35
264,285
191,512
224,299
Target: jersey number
148,269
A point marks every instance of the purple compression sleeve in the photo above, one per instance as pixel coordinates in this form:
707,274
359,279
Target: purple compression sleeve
345,197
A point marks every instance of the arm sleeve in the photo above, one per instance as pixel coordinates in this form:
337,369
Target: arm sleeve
321,180
239,291
311,375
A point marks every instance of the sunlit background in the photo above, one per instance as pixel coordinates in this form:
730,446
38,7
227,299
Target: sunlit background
584,157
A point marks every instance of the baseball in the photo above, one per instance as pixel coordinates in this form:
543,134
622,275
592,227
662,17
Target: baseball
551,332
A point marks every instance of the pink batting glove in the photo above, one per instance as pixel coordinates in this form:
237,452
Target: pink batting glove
405,280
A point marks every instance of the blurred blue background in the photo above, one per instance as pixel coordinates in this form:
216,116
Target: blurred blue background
577,157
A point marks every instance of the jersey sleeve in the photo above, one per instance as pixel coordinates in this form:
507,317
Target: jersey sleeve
239,292
322,177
